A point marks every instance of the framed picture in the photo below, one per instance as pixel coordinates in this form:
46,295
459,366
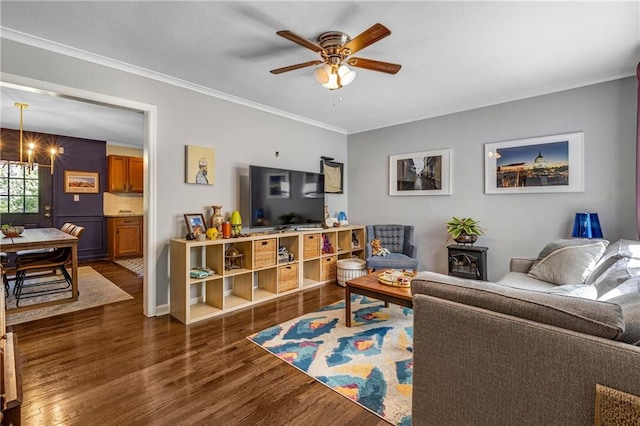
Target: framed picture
200,163
333,176
420,173
543,164
195,223
81,182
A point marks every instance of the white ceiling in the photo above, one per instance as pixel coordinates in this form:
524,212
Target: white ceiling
455,56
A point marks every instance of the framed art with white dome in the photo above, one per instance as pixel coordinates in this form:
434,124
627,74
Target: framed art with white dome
542,164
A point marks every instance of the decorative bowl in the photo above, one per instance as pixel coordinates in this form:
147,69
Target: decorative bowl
12,231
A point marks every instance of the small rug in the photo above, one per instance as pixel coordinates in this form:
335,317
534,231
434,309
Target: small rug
135,265
95,290
370,363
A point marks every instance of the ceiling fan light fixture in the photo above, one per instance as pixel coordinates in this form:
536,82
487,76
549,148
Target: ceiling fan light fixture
346,75
332,84
322,73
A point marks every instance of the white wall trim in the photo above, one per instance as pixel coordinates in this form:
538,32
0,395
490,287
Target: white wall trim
150,163
73,52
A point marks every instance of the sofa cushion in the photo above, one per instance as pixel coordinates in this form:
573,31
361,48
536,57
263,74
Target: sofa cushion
568,261
575,290
593,317
620,249
630,304
523,281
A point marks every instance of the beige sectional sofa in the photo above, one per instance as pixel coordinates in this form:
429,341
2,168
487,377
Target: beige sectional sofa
525,351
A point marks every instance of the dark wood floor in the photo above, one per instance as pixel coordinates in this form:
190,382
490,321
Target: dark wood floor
111,365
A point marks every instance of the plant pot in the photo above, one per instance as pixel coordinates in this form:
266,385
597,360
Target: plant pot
466,239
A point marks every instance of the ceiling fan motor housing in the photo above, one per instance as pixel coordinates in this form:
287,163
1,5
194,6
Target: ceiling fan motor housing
332,42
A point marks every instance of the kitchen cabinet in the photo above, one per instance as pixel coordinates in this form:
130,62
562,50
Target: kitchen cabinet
125,236
125,173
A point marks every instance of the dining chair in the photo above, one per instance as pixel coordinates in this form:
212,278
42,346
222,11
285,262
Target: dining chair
25,255
58,259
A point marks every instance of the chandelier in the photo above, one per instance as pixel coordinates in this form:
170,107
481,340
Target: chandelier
32,146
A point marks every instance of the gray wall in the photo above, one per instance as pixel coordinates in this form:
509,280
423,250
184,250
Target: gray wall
518,225
240,136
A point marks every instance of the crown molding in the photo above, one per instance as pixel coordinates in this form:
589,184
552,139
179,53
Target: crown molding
73,52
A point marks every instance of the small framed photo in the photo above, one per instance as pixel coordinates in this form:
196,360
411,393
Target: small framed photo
195,223
420,173
534,165
333,176
81,182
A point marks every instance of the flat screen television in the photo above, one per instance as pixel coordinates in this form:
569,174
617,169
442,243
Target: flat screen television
282,198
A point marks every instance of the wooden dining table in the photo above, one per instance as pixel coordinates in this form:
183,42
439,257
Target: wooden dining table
43,238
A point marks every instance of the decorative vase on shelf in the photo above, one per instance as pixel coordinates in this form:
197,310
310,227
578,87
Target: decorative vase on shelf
217,218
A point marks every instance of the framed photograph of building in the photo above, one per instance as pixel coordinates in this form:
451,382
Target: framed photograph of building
81,182
200,163
543,164
420,173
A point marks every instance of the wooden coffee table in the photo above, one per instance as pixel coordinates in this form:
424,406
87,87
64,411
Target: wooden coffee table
369,286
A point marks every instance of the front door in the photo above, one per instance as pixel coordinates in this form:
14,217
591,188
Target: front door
25,195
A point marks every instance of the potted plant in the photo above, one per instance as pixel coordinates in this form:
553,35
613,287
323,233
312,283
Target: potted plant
464,230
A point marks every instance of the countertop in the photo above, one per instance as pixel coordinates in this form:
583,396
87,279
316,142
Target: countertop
123,215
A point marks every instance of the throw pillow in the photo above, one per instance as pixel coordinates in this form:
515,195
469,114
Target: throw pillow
568,261
621,248
632,285
617,274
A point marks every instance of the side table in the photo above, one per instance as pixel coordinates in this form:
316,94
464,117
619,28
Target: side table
468,261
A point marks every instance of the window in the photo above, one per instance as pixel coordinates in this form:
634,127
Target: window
19,187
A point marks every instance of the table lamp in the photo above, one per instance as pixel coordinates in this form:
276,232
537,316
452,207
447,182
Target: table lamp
586,225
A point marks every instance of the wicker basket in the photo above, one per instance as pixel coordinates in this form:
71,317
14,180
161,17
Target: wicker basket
311,246
287,277
265,253
349,269
328,268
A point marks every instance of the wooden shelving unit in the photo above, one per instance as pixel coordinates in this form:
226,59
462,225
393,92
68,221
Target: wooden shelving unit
262,276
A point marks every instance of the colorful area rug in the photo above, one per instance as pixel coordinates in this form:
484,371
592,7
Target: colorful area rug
370,363
94,290
135,265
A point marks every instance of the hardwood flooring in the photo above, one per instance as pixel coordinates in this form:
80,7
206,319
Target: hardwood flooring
111,365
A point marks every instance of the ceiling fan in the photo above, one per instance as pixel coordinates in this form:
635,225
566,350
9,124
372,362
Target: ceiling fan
336,48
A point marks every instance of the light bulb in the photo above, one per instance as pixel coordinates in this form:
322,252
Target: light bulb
322,73
346,75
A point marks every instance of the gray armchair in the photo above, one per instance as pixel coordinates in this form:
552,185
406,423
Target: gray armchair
398,239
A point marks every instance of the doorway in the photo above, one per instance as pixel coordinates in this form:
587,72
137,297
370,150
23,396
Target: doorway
149,112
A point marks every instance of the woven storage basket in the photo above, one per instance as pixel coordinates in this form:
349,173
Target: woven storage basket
311,246
265,253
349,269
287,277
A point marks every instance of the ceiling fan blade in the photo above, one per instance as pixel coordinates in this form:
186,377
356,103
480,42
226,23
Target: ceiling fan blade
372,65
300,40
374,33
295,67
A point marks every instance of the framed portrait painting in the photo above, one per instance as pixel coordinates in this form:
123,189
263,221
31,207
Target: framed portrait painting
200,163
543,164
420,173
